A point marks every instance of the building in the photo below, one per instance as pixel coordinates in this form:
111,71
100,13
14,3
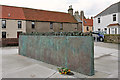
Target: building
88,25
16,20
108,21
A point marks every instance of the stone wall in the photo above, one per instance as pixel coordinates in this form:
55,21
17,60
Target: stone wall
112,38
45,27
73,52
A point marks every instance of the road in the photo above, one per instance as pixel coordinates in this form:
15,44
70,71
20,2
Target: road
17,66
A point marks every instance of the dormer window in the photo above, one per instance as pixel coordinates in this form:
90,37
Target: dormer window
114,17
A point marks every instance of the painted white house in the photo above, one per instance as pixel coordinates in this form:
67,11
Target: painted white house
108,20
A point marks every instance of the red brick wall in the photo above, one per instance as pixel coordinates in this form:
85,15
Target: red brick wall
9,41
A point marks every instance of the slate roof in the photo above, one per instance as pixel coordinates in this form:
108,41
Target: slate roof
35,14
114,8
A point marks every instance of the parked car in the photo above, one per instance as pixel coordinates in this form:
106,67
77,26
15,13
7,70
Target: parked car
98,36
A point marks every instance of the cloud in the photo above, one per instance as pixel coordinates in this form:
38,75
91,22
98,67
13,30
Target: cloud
90,7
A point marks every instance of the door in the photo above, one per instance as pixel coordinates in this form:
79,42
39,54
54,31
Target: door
3,34
18,33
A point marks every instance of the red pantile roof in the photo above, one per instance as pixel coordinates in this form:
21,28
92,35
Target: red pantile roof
88,22
116,24
14,12
35,14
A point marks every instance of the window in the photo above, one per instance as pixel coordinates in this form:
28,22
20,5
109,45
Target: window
112,30
98,20
114,17
98,29
87,28
3,23
3,34
33,25
61,26
105,30
92,28
85,21
51,25
115,30
109,30
19,24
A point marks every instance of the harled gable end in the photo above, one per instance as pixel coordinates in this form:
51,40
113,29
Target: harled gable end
114,8
108,20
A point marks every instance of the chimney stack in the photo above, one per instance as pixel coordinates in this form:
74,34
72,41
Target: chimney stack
70,10
76,13
91,17
82,15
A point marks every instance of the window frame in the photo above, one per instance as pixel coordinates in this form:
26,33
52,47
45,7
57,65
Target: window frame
3,26
109,31
115,30
112,30
99,29
99,21
19,25
61,26
114,17
33,24
51,25
87,28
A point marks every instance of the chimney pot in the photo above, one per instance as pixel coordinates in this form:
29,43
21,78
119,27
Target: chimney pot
70,10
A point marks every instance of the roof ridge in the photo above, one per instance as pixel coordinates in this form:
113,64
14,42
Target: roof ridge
34,9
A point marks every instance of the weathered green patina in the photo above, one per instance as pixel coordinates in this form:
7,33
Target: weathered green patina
73,52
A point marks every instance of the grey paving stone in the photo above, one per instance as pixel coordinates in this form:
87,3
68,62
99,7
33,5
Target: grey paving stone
33,71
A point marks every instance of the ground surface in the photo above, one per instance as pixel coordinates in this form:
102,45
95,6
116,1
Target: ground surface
17,66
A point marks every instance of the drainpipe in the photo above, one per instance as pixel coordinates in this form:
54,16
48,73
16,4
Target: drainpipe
82,24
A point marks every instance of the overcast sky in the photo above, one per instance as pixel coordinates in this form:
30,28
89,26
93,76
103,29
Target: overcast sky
90,7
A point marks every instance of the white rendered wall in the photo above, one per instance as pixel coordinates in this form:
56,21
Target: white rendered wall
119,18
104,21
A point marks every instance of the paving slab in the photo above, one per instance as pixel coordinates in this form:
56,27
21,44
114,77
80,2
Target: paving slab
14,62
107,64
102,51
33,71
9,50
115,54
99,74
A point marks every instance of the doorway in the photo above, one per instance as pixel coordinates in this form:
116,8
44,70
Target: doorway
18,33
